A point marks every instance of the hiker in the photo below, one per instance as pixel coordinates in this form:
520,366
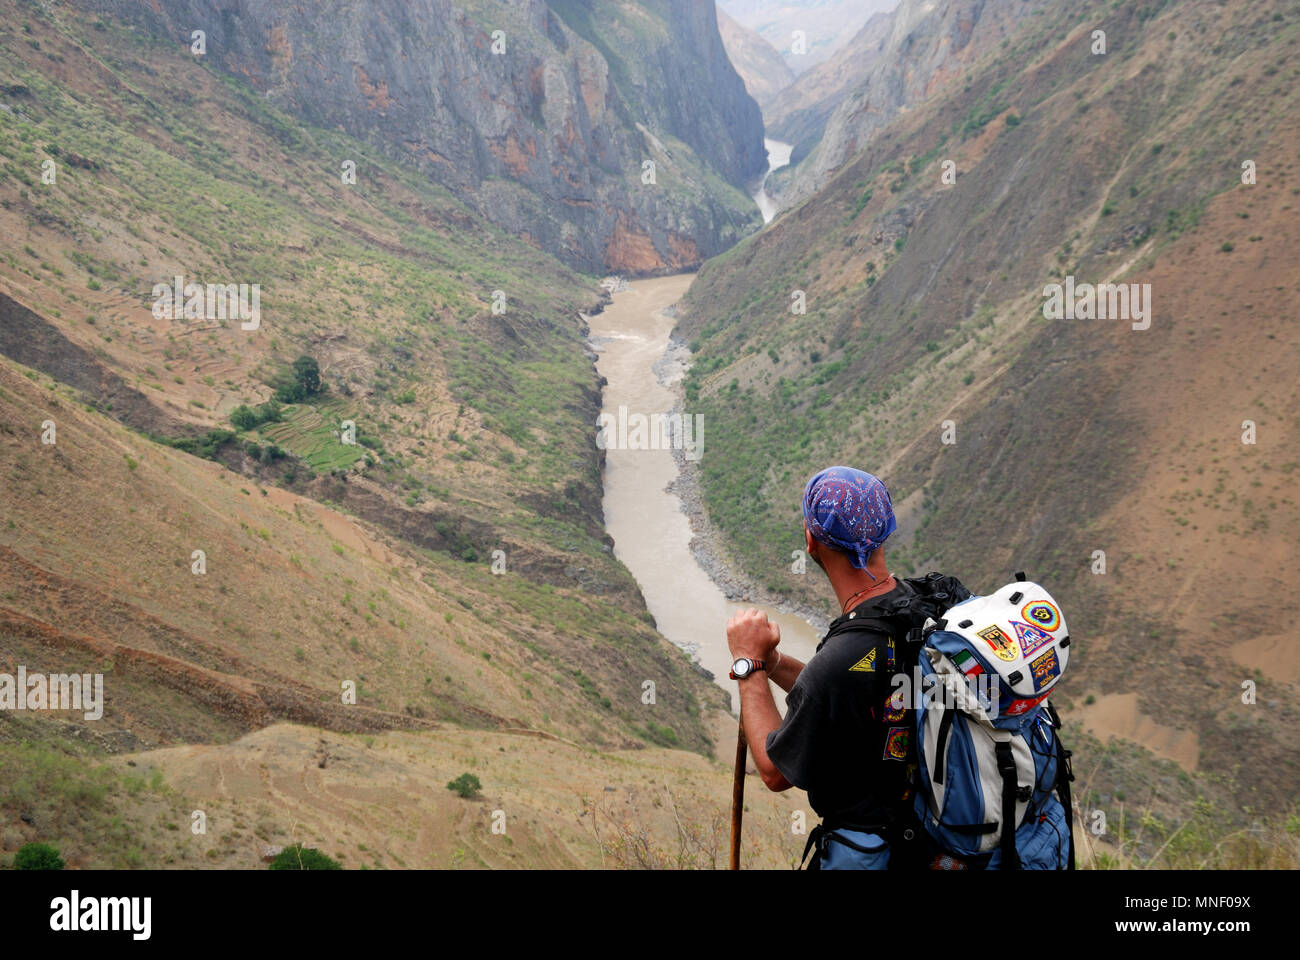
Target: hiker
848,737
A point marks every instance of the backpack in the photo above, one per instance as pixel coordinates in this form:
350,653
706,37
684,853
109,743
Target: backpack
993,776
978,759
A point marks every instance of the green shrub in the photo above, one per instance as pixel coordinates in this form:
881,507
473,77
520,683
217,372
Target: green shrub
212,441
298,857
38,856
466,785
243,417
665,736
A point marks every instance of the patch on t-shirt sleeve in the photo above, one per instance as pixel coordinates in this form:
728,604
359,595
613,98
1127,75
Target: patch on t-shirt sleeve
866,665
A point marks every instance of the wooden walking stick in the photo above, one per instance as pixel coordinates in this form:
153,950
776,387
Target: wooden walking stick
738,793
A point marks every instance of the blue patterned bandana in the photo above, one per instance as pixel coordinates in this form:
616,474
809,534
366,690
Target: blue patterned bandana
850,511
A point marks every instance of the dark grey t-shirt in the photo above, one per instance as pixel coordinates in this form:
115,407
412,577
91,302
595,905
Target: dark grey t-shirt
842,740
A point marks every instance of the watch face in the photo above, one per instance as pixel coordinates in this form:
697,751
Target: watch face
741,667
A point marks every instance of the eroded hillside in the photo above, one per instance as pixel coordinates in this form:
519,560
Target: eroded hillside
448,567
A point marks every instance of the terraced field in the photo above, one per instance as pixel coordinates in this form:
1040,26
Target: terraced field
315,434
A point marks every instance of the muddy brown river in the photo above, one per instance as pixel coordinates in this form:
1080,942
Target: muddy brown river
652,534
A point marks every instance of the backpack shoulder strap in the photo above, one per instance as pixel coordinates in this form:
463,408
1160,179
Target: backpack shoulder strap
1064,775
1007,768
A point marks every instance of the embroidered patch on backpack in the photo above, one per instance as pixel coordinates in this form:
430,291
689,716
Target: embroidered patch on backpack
1042,613
1017,707
965,661
1004,648
866,664
896,743
1046,669
1031,637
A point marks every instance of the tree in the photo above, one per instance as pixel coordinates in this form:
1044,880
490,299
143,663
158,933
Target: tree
307,372
302,383
38,856
298,857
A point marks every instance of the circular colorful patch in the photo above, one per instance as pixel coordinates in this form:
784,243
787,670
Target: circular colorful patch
1042,614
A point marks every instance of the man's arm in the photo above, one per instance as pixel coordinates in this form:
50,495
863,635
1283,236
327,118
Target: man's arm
750,634
758,709
787,671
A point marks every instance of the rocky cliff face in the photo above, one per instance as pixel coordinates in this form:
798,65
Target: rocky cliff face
759,65
897,64
544,127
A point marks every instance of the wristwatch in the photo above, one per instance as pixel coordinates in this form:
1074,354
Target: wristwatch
744,667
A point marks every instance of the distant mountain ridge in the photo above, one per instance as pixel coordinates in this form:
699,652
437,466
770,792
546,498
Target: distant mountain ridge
826,25
895,62
798,114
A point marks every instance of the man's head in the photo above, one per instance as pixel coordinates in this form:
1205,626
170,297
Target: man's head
850,512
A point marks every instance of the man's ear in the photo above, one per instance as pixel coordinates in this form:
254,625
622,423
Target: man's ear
810,545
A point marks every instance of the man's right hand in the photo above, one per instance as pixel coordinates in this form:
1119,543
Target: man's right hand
750,634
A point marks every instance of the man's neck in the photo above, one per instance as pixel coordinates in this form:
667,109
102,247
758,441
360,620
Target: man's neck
854,586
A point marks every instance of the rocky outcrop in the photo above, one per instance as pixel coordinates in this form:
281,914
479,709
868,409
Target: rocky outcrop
543,126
